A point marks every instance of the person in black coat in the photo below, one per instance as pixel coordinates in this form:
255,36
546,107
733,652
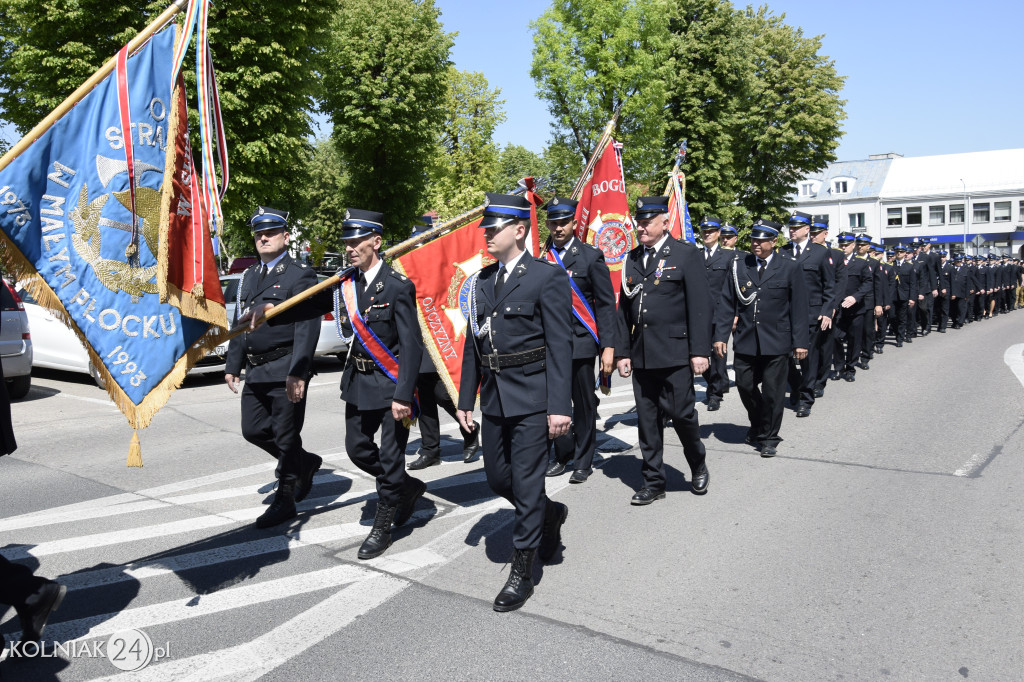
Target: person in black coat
859,286
518,352
768,295
904,294
959,291
872,308
718,262
927,271
826,337
593,335
818,271
278,363
945,283
664,339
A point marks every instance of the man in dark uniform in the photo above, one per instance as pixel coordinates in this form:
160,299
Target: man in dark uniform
904,295
885,322
826,337
665,338
927,283
718,262
432,394
818,272
769,296
959,289
593,327
278,364
518,351
945,283
872,309
859,285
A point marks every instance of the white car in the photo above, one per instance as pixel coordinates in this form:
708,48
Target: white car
15,343
329,343
57,347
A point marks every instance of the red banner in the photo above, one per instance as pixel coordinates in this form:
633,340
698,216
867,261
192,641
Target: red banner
441,270
602,216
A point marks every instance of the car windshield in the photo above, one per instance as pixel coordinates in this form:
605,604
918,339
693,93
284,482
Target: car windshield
25,296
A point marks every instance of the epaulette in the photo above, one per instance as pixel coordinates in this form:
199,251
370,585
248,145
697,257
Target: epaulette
545,261
398,275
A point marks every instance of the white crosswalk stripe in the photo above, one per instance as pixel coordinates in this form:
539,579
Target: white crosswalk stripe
200,526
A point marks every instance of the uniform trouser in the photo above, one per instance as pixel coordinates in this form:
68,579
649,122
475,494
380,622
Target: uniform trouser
717,375
847,350
273,423
924,312
867,348
515,458
803,374
903,317
432,393
980,306
761,382
580,442
385,463
885,323
942,309
660,394
826,342
960,311
17,583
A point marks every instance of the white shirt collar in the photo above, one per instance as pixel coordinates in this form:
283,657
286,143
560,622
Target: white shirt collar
272,264
510,266
661,242
371,274
563,249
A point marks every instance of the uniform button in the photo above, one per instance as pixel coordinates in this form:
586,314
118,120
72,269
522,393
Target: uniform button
507,309
494,315
645,325
645,310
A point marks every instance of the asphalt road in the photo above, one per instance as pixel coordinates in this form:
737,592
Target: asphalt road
884,542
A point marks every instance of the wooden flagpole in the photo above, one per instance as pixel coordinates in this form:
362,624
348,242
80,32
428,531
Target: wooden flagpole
87,87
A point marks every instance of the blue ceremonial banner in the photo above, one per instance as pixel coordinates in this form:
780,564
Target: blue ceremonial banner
66,215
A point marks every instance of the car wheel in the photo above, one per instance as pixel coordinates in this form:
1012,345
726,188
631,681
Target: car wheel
17,387
96,376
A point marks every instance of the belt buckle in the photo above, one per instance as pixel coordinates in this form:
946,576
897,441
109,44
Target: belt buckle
360,363
494,361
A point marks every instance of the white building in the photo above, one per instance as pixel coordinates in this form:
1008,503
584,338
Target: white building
961,202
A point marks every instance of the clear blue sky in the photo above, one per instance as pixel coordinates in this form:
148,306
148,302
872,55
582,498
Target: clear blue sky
922,77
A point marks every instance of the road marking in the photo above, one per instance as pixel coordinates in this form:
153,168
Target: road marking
1014,359
95,401
968,468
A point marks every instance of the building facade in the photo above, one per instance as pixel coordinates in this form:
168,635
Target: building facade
965,203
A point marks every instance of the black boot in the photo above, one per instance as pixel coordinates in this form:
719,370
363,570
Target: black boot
379,539
283,507
36,610
551,534
413,492
471,445
310,465
519,586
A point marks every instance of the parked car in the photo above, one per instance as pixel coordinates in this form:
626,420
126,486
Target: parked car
330,342
57,347
15,343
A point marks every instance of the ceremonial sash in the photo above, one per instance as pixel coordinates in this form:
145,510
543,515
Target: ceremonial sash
580,307
380,353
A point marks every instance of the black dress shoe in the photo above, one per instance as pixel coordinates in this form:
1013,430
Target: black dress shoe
714,404
768,451
310,466
909,339
646,496
899,344
819,393
408,503
37,608
863,364
555,469
379,539
282,508
424,461
580,476
700,480
879,350
470,449
803,411
849,376
750,439
519,586
551,533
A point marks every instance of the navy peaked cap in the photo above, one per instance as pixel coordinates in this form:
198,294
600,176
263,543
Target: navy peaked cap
266,218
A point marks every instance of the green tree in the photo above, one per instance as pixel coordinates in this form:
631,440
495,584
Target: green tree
466,161
592,58
385,92
322,210
516,162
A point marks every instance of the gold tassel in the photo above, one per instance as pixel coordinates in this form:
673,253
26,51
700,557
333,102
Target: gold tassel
135,451
197,290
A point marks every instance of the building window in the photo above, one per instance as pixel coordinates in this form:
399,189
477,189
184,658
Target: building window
1001,212
856,220
980,214
895,217
937,215
820,219
1020,215
806,189
913,215
956,214
839,186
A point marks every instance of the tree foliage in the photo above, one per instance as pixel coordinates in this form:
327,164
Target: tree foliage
322,209
465,164
592,58
385,94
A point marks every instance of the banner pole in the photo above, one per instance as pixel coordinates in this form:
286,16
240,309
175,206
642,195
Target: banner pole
86,87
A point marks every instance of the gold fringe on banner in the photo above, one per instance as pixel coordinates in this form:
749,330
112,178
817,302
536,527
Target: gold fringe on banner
135,451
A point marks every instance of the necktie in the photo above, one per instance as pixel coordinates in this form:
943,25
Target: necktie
648,257
499,281
707,254
360,284
263,273
761,263
796,250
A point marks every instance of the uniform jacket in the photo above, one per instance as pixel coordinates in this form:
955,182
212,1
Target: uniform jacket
719,269
859,284
669,320
906,281
775,322
819,275
534,309
840,286
585,264
945,277
300,337
961,282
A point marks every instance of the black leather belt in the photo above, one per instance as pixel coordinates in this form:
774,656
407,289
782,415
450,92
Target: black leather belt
498,361
364,365
263,358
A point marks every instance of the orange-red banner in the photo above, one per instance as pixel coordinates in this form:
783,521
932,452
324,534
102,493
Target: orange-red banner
602,216
441,270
